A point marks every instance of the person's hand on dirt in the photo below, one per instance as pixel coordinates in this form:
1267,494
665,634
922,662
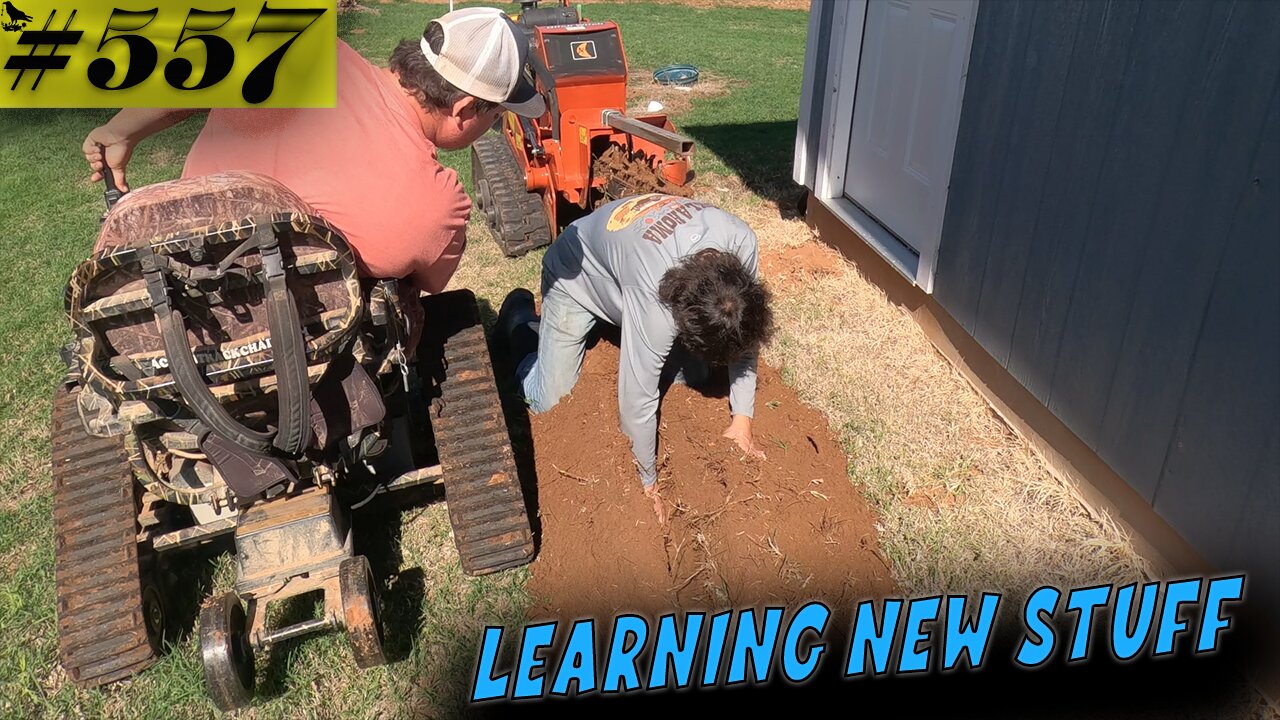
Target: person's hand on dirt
651,492
740,433
117,150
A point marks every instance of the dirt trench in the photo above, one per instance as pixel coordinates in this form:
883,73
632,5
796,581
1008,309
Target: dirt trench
743,532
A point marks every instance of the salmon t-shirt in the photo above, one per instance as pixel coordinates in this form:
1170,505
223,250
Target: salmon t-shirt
364,166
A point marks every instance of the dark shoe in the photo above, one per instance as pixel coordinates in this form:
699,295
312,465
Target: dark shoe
517,324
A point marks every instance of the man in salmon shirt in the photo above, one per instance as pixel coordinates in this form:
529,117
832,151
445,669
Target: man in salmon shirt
369,164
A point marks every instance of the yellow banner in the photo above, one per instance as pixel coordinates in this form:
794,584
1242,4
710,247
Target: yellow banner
195,53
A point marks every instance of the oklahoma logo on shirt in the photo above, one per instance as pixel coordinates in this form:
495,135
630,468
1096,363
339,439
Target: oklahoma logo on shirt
631,210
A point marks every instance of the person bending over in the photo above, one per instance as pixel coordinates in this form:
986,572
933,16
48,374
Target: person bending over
369,164
679,278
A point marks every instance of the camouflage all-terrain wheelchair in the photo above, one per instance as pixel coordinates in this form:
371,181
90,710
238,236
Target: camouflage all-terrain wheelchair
231,374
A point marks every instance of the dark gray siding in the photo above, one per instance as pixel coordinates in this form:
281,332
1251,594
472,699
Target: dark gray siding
1111,237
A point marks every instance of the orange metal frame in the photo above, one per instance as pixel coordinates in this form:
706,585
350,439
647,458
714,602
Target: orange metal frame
564,169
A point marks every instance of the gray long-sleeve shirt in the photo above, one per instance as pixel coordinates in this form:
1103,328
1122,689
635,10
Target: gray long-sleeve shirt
611,263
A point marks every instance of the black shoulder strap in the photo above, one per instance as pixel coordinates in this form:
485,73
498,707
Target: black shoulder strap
288,350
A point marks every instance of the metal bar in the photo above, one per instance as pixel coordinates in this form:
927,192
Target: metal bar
267,637
531,139
662,137
311,575
422,476
187,537
433,475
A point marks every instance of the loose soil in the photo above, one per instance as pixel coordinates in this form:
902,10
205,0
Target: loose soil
789,268
742,533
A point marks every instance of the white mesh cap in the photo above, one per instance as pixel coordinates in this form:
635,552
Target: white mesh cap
484,54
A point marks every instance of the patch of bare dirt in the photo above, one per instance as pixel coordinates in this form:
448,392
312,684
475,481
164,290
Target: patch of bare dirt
742,532
642,90
354,6
787,268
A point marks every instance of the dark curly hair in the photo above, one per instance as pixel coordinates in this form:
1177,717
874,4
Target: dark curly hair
721,311
416,75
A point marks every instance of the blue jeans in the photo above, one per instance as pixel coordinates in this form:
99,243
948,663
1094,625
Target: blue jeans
549,374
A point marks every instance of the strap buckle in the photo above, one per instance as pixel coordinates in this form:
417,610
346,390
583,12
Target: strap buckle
153,275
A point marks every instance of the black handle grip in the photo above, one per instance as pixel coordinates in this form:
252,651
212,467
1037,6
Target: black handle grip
531,139
112,194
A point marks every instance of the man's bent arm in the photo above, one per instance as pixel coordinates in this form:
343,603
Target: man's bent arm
122,133
433,276
138,124
742,385
439,250
646,341
742,372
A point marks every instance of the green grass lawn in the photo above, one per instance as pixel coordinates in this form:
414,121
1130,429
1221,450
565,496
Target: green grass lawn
48,219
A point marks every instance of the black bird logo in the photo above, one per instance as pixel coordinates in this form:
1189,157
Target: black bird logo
16,15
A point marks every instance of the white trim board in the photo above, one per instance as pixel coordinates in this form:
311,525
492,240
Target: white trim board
801,172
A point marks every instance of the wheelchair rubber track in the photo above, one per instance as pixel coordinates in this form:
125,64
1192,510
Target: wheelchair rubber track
102,636
486,504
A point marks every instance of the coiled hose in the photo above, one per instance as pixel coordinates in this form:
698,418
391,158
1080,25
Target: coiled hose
677,75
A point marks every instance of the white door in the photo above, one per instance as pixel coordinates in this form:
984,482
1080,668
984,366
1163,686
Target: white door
905,115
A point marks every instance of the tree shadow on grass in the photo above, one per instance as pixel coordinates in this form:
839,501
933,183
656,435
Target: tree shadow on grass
761,155
380,529
185,580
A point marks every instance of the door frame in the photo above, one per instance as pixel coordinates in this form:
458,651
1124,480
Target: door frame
844,56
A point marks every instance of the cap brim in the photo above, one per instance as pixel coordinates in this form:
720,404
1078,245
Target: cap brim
525,100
